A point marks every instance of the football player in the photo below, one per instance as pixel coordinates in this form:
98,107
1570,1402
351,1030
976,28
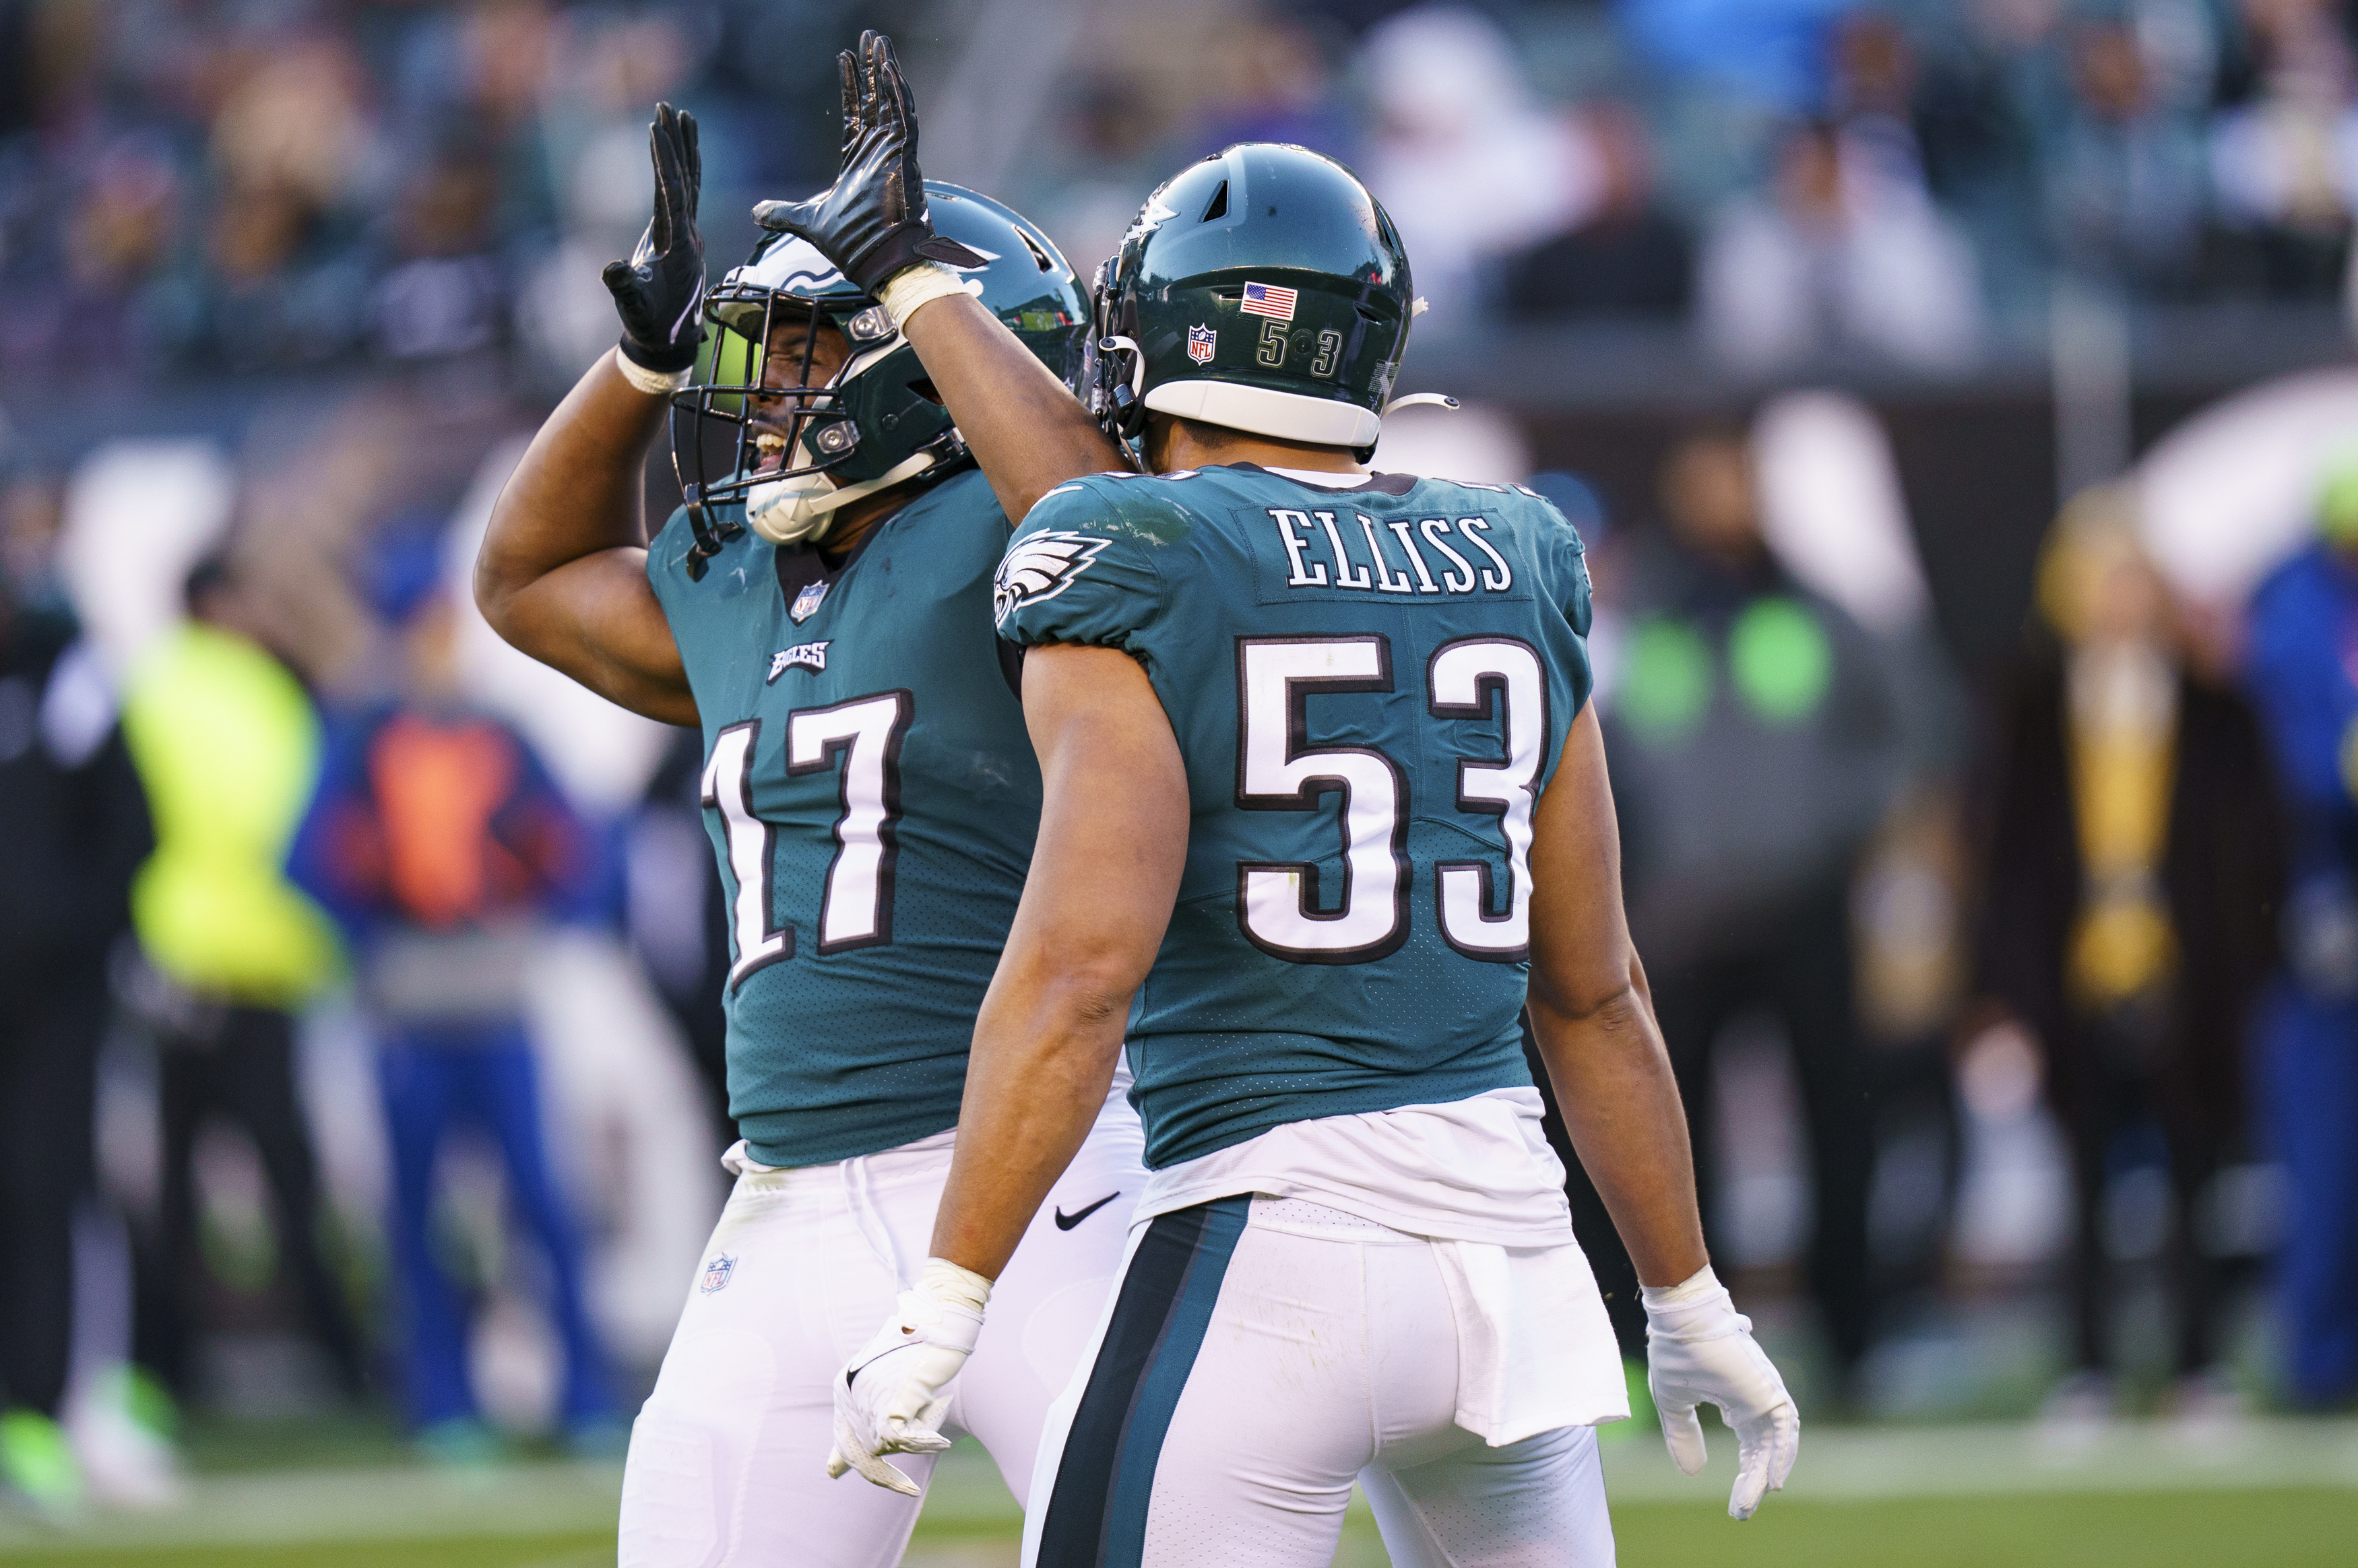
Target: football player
1326,808
820,609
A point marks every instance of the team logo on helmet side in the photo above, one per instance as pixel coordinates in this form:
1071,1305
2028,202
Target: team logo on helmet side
794,266
1200,341
1041,567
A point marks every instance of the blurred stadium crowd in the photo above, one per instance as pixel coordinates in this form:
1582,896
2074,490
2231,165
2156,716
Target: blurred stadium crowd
241,185
2007,1079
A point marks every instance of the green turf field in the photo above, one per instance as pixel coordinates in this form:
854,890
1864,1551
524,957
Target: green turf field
2276,1494
2215,1529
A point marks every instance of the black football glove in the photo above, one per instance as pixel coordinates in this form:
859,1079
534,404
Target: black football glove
659,292
873,222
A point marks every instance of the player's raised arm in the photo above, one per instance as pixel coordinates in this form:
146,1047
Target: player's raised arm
1024,428
562,573
1594,1018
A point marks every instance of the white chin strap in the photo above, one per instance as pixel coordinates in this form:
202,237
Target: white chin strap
801,510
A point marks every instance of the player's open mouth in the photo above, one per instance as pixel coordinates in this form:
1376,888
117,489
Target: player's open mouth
772,446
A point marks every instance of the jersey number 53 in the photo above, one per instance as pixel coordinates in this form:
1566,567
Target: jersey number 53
1278,768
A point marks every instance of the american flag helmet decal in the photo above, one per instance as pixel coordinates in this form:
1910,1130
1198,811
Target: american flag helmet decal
1269,300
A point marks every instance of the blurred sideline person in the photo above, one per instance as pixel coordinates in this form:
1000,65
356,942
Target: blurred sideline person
677,913
2129,873
1353,1261
1758,745
821,608
74,829
228,742
443,847
2301,675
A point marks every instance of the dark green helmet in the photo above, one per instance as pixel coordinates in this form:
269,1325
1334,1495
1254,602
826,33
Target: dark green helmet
877,423
1263,289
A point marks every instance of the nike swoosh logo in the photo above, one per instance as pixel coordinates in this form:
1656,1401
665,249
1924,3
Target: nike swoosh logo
1066,1221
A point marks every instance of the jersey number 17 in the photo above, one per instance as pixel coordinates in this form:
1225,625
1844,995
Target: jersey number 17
861,740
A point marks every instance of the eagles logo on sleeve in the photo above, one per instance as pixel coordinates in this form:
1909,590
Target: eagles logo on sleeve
1041,567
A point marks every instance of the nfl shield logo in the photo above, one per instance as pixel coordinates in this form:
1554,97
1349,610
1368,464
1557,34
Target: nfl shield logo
716,1272
1199,344
806,603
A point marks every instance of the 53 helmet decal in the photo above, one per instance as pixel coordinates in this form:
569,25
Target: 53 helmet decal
1041,567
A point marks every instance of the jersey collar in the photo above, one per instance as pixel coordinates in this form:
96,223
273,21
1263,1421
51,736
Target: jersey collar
1320,479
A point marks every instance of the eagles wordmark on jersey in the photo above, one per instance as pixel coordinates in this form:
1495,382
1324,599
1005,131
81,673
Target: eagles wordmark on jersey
1370,681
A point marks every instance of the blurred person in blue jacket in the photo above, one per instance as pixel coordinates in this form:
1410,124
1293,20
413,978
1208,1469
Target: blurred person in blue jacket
440,844
2304,633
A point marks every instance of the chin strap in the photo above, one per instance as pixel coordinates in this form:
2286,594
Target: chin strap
1413,398
802,509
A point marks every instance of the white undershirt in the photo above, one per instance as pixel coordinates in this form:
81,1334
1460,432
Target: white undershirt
1471,1170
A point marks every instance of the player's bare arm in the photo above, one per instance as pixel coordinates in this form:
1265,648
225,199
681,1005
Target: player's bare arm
1093,913
1595,1020
562,573
1025,428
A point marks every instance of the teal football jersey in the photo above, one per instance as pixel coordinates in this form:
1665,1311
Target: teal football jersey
872,796
1370,685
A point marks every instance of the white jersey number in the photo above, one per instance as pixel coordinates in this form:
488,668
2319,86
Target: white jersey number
1277,770
752,851
863,738
1467,679
1279,904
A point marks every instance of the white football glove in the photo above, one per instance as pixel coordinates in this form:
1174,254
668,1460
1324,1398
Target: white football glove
1700,1351
891,1398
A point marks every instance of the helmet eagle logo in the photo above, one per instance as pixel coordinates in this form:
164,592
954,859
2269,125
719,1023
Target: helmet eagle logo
1041,567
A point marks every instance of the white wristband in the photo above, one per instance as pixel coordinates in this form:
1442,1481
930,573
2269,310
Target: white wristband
920,283
653,382
1697,1288
948,1282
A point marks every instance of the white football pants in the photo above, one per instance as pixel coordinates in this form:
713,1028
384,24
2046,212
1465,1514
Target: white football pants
1259,1356
728,1457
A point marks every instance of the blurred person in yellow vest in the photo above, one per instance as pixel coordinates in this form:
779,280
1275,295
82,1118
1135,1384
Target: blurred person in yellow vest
228,742
72,828
2130,867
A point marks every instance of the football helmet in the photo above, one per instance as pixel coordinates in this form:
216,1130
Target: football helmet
1263,289
790,455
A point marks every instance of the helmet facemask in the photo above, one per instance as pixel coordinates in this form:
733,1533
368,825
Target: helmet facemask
759,425
755,437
